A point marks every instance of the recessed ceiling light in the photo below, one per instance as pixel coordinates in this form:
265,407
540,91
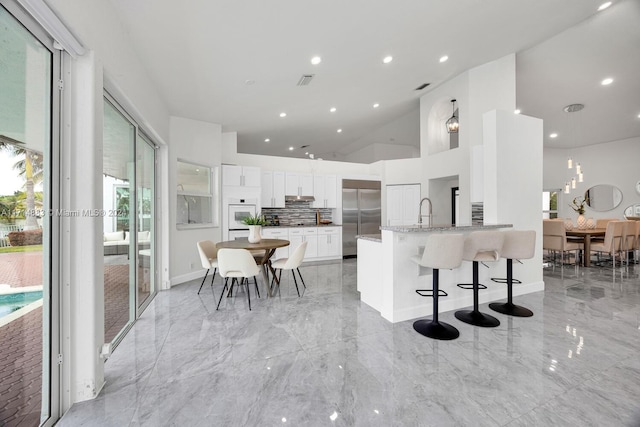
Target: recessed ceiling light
516,111
311,156
376,105
333,109
553,135
339,130
306,153
444,58
283,114
607,81
267,140
316,60
387,59
290,148
639,116
603,6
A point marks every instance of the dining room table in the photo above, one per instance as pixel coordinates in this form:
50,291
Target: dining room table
268,248
587,234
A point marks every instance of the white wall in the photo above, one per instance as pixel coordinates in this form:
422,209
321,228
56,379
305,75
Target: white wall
614,163
481,89
197,142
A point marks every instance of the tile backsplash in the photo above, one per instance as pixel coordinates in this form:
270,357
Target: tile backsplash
296,213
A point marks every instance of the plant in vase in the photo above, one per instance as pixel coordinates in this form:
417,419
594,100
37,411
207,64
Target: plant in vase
578,205
255,223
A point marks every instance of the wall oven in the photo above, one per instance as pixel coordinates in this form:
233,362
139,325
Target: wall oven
237,214
238,234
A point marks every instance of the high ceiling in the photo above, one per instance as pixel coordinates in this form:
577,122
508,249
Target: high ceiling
238,63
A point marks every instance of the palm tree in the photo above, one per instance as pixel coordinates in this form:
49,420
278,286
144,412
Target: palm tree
29,167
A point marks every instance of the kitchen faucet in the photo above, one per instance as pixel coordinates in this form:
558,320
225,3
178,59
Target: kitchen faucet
429,215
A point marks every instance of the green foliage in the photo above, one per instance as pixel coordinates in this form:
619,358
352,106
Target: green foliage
254,220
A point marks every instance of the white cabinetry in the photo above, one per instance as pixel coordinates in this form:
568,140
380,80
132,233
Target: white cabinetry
299,184
329,242
305,234
277,233
402,204
273,189
325,191
241,176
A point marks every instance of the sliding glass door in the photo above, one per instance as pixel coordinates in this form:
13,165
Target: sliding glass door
28,291
129,204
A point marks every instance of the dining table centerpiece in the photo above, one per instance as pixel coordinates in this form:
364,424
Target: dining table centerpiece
578,205
255,223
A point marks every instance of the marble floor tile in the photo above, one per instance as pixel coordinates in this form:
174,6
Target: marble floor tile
326,358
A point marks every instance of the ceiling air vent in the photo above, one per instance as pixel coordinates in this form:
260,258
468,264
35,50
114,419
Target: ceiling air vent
422,86
305,79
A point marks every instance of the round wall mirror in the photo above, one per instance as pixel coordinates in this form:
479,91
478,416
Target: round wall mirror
603,197
632,212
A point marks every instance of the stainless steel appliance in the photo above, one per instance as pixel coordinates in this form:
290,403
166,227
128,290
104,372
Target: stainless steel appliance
361,212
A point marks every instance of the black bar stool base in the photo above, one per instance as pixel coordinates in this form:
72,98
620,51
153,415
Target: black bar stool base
477,319
436,330
510,309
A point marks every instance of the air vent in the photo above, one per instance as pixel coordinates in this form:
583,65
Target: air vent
572,108
305,79
422,86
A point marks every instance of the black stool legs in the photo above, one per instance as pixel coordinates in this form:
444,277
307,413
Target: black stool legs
509,307
475,317
434,328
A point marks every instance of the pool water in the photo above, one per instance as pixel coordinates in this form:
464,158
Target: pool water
12,302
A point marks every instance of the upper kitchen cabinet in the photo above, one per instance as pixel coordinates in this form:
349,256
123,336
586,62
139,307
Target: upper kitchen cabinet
299,184
273,189
325,191
241,176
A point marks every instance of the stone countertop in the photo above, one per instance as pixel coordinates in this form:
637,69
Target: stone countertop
442,227
371,237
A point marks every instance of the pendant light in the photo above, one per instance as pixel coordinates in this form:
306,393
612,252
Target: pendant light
452,123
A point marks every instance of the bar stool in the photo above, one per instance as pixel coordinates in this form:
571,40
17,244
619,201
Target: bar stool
479,246
441,251
518,244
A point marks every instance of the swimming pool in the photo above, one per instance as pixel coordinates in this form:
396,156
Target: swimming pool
12,302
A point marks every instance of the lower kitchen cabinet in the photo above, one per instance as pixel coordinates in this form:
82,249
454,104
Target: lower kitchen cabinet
277,233
322,242
329,242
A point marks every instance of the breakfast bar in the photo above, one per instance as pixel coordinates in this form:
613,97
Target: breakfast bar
387,277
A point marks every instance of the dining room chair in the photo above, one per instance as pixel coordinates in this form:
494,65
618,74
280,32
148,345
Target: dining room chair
209,259
291,263
237,264
628,238
554,239
612,244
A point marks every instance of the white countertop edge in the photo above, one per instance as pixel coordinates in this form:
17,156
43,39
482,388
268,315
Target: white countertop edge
443,227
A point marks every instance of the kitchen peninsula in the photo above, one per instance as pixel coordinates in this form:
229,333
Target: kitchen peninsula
388,277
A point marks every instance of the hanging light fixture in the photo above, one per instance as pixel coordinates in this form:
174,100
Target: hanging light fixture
452,123
573,128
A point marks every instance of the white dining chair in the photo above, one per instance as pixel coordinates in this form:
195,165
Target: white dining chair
208,257
237,264
292,263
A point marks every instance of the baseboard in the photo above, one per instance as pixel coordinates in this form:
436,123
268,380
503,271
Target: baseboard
186,278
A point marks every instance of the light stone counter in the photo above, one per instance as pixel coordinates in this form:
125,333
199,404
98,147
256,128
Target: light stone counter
388,278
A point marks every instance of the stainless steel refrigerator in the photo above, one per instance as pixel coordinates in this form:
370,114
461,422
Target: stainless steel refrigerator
361,212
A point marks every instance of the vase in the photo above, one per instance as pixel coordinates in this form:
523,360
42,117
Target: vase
591,223
568,224
582,222
254,233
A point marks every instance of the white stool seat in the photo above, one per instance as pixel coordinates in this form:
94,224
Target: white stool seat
518,244
480,246
441,251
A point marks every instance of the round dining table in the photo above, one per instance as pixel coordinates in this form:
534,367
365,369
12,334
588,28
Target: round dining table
269,247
